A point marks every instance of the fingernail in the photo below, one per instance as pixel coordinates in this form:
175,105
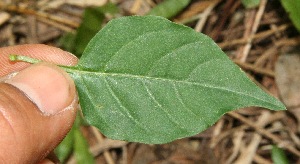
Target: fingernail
47,86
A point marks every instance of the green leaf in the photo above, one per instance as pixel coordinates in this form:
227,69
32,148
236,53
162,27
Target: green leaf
110,8
65,148
90,25
147,79
293,8
278,156
74,141
250,3
169,8
66,42
81,149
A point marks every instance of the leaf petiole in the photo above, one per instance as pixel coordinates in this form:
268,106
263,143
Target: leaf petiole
15,58
21,58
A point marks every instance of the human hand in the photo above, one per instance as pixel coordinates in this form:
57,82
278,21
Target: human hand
37,104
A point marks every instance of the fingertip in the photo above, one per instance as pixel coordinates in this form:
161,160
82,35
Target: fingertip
47,86
40,51
39,103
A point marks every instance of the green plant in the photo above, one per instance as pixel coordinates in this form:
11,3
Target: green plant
250,3
169,8
147,79
92,20
278,155
75,143
91,23
292,7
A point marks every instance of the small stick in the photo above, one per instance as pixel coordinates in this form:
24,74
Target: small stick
21,10
256,69
263,34
264,132
100,139
255,26
200,24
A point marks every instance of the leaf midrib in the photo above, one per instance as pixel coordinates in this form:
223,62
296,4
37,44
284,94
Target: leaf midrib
140,77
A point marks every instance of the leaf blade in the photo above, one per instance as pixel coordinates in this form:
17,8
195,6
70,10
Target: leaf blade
169,8
159,82
278,155
293,9
250,3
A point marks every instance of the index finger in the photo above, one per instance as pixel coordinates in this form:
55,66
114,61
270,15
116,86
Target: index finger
38,51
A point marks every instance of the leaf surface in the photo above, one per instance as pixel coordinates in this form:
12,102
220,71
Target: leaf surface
278,155
80,144
292,7
146,79
250,3
81,149
169,8
64,149
91,23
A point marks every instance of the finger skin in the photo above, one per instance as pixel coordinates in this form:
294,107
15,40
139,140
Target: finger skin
48,86
26,134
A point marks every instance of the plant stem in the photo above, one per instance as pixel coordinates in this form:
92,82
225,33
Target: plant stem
21,58
27,59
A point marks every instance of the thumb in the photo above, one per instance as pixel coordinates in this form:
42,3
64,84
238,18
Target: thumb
37,109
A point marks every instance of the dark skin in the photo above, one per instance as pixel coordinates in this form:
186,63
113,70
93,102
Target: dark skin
37,106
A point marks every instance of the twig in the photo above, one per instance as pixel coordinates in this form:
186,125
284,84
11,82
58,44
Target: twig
257,20
256,36
228,9
237,142
100,139
195,8
124,155
32,29
106,145
247,155
263,132
21,10
265,55
200,24
288,42
254,68
136,6
56,25
4,17
259,159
